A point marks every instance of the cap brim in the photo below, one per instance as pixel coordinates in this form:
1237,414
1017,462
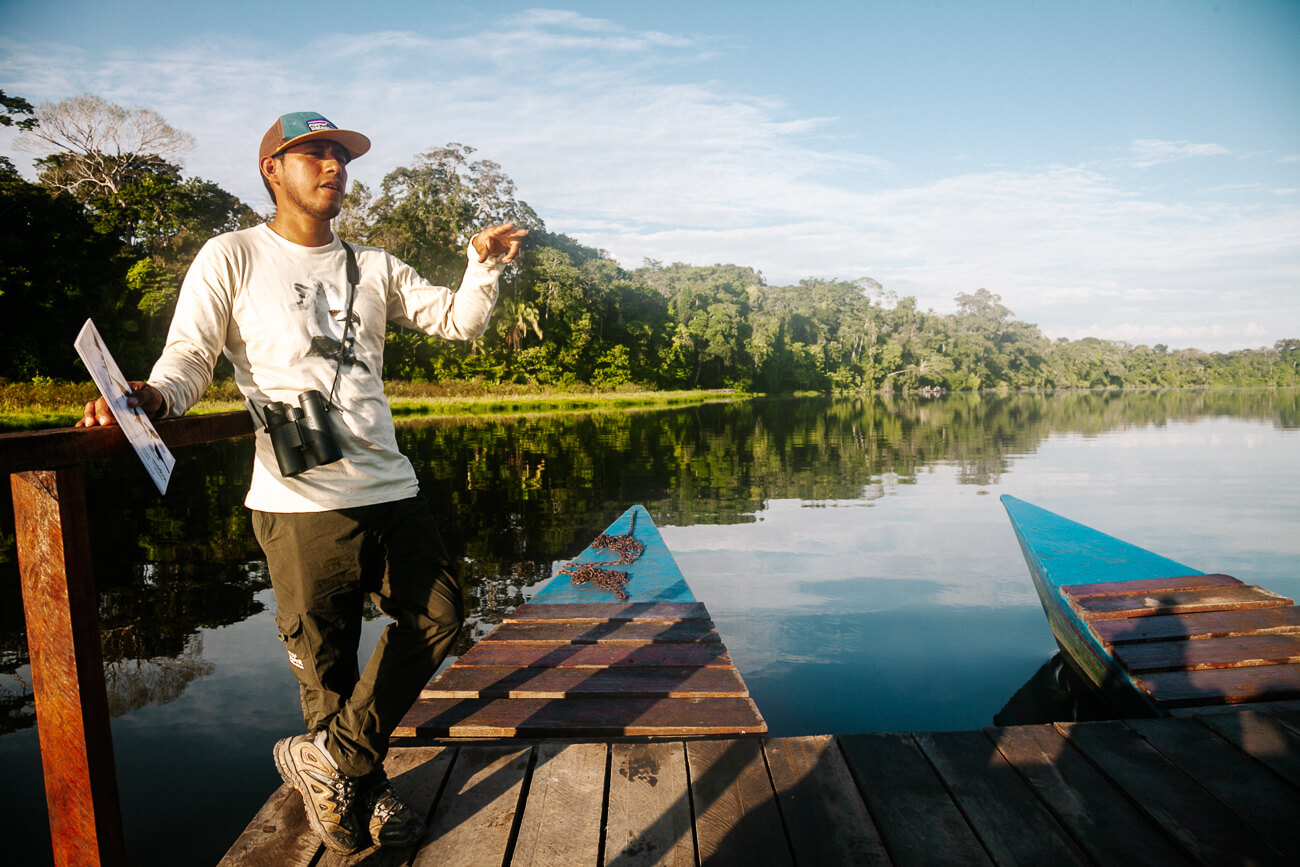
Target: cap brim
353,142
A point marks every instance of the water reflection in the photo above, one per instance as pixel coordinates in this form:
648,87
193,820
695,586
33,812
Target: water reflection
515,496
1055,693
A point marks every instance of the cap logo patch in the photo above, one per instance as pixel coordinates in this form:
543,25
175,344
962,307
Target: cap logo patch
319,124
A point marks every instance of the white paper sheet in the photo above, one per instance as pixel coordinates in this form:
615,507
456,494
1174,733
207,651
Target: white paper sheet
155,455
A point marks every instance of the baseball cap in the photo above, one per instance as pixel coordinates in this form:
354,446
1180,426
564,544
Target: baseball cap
301,126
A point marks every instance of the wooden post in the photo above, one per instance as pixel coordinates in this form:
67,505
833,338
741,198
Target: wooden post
67,666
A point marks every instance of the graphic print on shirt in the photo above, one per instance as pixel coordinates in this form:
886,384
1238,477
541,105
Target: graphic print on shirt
324,306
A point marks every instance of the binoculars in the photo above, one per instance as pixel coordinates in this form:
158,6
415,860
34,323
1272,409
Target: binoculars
302,438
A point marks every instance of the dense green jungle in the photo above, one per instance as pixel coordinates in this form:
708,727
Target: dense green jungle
109,233
515,495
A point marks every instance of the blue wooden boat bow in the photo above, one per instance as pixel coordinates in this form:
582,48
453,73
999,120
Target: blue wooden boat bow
579,661
1156,637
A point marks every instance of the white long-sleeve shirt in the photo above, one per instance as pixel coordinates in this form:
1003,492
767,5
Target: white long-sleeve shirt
276,309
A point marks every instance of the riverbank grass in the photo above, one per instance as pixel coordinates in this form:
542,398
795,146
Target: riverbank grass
43,404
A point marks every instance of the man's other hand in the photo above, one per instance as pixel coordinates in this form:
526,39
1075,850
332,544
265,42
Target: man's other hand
143,395
498,242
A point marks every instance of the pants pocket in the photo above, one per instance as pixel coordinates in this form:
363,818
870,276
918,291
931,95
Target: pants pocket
290,627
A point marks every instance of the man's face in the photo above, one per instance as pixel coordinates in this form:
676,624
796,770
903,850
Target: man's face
313,178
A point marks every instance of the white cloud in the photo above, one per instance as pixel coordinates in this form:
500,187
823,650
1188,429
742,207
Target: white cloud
1150,152
619,138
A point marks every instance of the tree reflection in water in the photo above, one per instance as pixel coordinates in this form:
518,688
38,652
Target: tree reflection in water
515,495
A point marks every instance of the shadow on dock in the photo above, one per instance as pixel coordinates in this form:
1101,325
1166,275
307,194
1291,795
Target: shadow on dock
1218,789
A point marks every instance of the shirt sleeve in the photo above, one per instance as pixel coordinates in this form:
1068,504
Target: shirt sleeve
439,312
198,330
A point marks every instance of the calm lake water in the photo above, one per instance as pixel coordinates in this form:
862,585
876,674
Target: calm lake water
852,552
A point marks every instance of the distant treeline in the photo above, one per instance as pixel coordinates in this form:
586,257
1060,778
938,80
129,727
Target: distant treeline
108,232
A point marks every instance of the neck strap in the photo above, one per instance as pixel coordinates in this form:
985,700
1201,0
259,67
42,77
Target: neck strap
354,277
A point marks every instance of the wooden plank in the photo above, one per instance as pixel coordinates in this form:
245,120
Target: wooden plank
417,774
1229,709
648,818
607,611
1177,602
474,818
1101,820
736,816
591,682
712,654
1262,738
997,802
1267,802
65,447
1235,652
825,817
67,666
1222,685
1148,585
1209,831
1288,716
278,834
1215,624
913,810
586,717
605,632
561,822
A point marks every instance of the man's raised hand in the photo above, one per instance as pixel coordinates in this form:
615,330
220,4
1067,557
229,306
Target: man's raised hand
498,242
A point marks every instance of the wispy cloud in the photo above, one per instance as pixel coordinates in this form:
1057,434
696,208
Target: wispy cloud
1150,152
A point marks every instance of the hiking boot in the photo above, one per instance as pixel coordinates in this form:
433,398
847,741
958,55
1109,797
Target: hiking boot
327,794
391,822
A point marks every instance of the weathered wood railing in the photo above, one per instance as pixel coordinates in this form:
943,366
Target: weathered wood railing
51,529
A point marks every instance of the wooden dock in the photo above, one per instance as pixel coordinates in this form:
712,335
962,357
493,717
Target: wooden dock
1220,789
587,729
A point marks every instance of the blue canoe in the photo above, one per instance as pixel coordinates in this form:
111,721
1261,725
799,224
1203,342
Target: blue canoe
1154,636
614,645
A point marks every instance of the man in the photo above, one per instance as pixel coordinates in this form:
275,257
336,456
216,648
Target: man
285,305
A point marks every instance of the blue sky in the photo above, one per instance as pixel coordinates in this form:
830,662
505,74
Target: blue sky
1127,170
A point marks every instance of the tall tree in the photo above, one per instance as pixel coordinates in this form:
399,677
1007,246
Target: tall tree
98,144
426,213
55,270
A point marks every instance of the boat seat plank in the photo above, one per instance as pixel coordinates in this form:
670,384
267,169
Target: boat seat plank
710,654
604,632
825,817
1107,827
1233,652
997,802
1222,685
913,810
1262,737
1212,624
736,817
562,814
607,611
580,717
1148,585
1199,822
475,817
648,813
483,682
1177,602
1267,802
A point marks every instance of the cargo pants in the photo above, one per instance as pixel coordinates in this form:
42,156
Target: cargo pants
323,566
